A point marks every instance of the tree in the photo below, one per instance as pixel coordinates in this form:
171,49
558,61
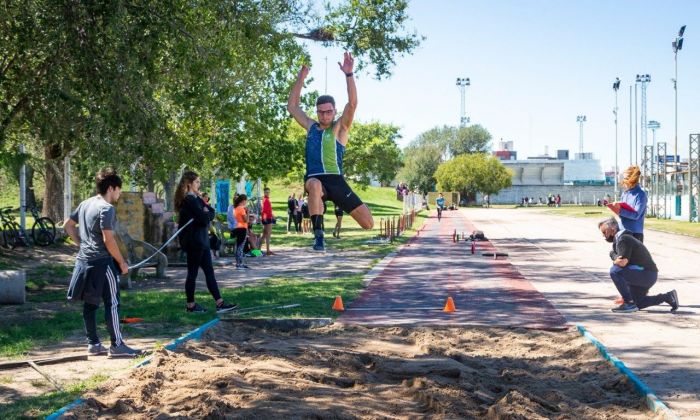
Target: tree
372,153
166,83
420,164
473,173
456,140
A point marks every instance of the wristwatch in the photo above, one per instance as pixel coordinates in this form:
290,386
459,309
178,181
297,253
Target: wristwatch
348,74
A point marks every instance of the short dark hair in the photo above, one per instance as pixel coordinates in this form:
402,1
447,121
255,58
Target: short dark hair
105,178
325,99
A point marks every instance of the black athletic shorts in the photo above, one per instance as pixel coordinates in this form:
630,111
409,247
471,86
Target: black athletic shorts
339,192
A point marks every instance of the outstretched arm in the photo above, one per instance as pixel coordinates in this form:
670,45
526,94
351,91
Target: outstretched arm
349,111
294,102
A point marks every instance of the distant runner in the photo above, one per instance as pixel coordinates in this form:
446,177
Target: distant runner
440,204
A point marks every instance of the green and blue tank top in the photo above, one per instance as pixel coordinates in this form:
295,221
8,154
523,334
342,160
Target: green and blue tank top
324,153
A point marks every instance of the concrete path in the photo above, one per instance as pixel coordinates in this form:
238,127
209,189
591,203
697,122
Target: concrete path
413,288
567,260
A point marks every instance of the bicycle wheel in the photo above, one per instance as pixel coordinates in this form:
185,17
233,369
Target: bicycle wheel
44,231
11,233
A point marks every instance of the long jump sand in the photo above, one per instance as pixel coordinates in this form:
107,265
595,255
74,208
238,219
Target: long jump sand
347,372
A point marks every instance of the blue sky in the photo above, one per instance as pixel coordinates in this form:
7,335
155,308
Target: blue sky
534,66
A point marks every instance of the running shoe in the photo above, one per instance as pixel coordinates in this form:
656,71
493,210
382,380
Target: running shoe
197,308
625,308
673,300
225,307
123,351
96,349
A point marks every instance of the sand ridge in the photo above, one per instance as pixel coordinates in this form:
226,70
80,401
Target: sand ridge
348,372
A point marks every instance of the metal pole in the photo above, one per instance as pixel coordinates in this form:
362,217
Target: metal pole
616,169
675,91
22,191
67,201
631,125
636,145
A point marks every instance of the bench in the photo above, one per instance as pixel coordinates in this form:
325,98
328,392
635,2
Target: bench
137,251
228,246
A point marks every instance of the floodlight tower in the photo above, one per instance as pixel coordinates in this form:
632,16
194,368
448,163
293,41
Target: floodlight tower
462,83
616,87
580,119
643,79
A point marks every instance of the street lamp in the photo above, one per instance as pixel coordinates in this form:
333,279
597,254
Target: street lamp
616,87
462,83
643,79
580,119
677,45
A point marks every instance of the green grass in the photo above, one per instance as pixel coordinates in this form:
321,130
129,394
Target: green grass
164,315
41,406
594,212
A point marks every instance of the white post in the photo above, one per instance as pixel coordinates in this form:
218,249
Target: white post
67,194
22,191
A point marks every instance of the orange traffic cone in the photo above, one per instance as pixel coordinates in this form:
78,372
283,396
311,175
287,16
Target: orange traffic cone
338,304
449,305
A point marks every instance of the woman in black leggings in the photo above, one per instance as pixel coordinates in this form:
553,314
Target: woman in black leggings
241,231
194,240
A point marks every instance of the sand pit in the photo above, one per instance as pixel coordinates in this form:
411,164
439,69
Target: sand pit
336,372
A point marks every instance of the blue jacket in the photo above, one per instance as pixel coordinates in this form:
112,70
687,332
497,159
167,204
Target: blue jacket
633,221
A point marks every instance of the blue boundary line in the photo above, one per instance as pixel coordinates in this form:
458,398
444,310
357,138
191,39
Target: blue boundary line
195,334
652,401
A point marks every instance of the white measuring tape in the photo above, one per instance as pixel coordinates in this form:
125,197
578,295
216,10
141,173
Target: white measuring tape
161,248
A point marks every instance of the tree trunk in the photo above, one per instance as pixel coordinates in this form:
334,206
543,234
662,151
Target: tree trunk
150,183
169,188
29,193
53,195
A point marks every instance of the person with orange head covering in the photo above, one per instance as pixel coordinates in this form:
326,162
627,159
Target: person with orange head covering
632,205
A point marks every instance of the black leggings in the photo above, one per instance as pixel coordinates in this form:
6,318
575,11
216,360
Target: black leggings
197,258
241,234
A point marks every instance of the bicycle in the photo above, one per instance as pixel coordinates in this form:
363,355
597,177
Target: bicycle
43,229
12,235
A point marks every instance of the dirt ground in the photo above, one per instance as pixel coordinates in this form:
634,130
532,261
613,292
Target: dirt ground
343,372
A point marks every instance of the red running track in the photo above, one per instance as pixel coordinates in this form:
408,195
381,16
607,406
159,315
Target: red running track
413,287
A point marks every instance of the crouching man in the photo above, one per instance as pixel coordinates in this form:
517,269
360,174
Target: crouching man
633,270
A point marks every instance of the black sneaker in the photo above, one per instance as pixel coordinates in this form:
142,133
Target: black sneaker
123,351
197,308
625,308
673,300
96,349
225,307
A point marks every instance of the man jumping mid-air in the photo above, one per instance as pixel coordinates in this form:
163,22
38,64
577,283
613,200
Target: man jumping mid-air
325,145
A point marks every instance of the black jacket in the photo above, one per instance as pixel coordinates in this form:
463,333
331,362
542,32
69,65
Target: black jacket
196,235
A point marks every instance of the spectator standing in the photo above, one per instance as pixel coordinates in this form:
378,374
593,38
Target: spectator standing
268,219
241,231
95,276
194,240
633,203
292,213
